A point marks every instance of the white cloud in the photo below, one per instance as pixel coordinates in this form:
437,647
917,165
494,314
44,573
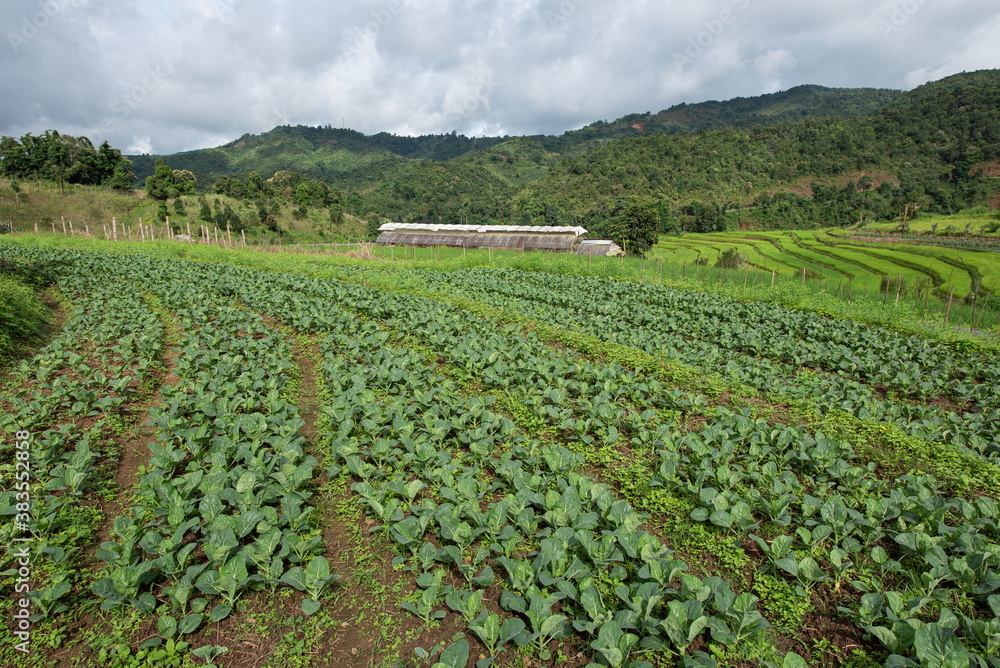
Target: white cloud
772,66
139,145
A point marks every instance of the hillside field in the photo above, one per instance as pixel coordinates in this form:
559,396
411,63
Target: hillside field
89,209
296,459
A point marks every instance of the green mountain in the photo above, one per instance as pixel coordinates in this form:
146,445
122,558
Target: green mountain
807,156
330,154
321,153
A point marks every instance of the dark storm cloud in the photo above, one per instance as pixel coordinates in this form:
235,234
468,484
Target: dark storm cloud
168,76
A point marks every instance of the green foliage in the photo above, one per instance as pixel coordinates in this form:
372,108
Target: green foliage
635,225
160,185
22,316
64,158
205,213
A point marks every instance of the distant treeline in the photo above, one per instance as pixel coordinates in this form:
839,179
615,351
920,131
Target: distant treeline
64,159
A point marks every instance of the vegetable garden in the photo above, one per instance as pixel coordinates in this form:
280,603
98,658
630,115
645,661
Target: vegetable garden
367,466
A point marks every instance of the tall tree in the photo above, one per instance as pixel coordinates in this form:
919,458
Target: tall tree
635,225
161,184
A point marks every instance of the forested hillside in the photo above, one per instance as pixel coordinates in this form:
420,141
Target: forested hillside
807,157
804,157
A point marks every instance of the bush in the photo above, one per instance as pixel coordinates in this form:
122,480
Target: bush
892,284
731,259
22,316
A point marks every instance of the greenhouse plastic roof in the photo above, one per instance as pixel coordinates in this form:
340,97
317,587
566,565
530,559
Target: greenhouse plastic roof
482,229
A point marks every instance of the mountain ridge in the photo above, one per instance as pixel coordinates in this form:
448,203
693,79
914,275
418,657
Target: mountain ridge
250,152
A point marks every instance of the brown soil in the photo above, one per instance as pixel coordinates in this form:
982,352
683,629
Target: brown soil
133,450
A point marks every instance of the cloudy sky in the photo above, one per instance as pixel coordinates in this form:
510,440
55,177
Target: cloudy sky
164,76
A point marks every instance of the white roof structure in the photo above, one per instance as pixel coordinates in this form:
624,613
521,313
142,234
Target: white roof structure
482,229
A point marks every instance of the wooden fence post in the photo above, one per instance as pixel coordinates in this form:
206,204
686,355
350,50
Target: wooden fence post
975,302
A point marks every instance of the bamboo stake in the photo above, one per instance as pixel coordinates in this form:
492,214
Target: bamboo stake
114,227
53,228
189,229
216,236
64,224
975,302
87,228
947,313
105,231
36,228
899,287
243,236
983,311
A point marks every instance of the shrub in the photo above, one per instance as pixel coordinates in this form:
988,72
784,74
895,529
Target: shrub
893,284
22,316
731,259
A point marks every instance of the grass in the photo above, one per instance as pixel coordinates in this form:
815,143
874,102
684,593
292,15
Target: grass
977,221
23,317
81,211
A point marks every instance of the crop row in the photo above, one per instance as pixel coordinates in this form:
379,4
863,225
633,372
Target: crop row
224,507
71,398
931,371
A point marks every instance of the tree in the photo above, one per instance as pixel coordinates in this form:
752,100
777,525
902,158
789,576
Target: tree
161,184
121,179
179,206
254,185
161,211
185,181
206,211
635,225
